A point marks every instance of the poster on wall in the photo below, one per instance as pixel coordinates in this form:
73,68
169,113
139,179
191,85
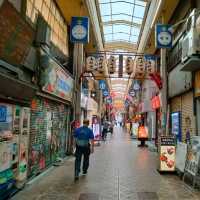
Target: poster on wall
54,79
6,120
167,153
193,156
5,156
176,125
96,127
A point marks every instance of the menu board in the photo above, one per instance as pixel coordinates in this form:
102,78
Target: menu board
167,152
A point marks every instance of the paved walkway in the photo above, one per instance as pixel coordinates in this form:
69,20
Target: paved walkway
119,170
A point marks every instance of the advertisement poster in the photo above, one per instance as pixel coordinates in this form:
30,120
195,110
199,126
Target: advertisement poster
5,156
193,156
96,127
181,155
55,79
167,153
135,129
176,125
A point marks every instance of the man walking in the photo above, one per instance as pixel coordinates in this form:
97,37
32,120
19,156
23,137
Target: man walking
84,139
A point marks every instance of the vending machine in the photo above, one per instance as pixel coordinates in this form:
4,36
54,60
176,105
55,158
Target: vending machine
21,130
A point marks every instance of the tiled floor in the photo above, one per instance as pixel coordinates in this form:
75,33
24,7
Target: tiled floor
119,170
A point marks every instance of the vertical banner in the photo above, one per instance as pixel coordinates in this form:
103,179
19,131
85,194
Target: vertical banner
79,30
163,36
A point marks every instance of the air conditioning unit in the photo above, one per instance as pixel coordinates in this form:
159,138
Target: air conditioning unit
191,39
129,65
43,32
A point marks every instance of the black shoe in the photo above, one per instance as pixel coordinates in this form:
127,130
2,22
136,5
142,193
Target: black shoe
76,178
84,173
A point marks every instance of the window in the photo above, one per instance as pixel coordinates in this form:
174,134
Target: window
53,17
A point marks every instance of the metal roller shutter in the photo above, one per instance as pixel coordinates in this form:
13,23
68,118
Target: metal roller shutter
175,104
185,104
48,134
188,118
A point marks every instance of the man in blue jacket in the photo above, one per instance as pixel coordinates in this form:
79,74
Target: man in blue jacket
84,139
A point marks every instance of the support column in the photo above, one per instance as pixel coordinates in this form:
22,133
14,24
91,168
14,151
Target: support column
164,89
78,67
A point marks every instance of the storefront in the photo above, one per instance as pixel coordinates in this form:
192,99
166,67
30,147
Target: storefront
182,102
14,131
50,116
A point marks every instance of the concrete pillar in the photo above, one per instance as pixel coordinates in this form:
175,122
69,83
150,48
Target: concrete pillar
163,66
78,67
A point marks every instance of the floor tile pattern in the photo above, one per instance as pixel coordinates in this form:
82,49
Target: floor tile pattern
119,170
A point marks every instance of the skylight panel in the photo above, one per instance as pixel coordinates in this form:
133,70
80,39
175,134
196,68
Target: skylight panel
121,37
139,11
122,17
121,21
108,38
141,3
105,9
121,28
121,7
106,18
107,30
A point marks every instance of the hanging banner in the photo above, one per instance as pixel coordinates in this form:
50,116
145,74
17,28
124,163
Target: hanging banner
163,36
102,84
150,62
105,93
79,31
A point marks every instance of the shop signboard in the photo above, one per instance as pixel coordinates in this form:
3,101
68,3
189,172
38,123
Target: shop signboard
181,155
193,156
163,36
167,153
176,125
79,32
55,80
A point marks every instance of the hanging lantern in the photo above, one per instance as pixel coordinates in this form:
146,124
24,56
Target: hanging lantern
101,64
150,65
129,65
112,64
139,68
90,63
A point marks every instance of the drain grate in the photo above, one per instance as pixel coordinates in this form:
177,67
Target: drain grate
89,196
147,196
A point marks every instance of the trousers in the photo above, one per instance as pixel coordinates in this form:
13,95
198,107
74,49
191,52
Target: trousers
85,153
